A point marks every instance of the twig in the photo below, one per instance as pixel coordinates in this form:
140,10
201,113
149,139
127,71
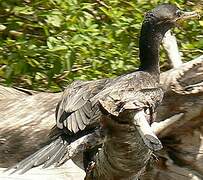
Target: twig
159,127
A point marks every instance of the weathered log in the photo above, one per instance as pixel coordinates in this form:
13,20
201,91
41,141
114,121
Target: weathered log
26,119
124,154
183,84
25,123
181,132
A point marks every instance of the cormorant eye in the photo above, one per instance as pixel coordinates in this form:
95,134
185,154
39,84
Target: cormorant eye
150,14
178,13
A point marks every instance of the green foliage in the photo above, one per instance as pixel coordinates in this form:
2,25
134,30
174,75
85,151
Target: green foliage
46,44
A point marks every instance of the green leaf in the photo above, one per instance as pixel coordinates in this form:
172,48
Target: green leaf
26,10
54,19
201,23
70,57
58,48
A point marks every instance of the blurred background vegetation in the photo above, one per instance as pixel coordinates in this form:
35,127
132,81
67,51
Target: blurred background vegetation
46,44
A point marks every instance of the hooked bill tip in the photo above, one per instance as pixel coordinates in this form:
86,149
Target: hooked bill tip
189,15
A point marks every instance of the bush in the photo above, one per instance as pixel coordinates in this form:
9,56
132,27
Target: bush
46,44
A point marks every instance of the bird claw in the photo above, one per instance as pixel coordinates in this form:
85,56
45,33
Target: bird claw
90,167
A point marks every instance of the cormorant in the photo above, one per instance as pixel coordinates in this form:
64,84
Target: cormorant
113,107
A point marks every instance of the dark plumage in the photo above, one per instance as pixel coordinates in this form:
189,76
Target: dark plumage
111,105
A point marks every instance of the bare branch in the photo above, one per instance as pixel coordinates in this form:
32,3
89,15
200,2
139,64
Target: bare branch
159,127
171,47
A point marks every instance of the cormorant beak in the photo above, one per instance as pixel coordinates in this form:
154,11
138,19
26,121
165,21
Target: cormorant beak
187,15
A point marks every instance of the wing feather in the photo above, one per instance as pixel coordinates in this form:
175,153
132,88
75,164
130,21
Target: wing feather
79,120
74,112
74,123
85,119
69,124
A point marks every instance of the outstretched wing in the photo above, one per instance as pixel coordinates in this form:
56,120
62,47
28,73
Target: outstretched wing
75,111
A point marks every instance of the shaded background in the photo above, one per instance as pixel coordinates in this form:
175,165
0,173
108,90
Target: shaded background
46,44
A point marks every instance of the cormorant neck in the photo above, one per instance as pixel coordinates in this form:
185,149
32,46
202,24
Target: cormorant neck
150,39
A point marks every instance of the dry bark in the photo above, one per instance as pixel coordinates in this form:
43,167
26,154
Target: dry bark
182,156
27,117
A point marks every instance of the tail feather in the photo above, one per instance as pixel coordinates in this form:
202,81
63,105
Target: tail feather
43,154
48,155
58,152
56,157
26,162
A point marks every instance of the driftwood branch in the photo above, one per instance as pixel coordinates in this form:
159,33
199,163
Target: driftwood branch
179,126
171,47
160,127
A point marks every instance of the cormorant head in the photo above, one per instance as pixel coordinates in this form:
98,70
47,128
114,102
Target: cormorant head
167,15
